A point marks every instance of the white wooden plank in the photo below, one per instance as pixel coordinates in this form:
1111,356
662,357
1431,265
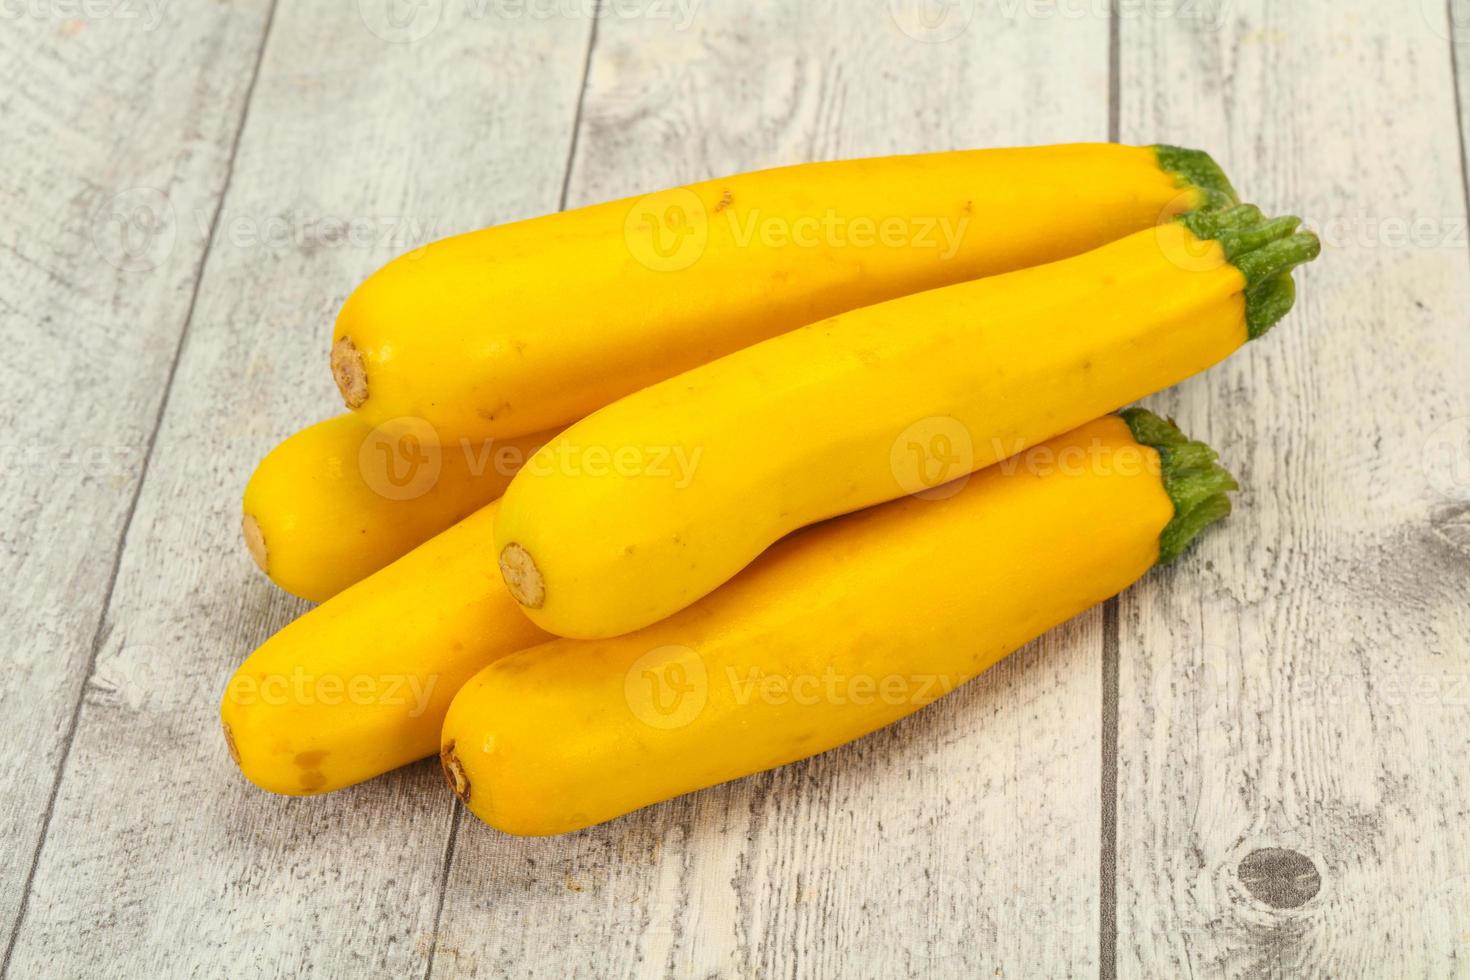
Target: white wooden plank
1293,696
107,113
160,860
960,843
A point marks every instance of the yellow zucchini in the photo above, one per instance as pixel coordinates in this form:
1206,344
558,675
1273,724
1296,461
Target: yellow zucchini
652,502
359,685
337,501
531,325
833,633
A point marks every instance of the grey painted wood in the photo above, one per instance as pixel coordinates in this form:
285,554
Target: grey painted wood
960,843
118,126
1293,697
160,860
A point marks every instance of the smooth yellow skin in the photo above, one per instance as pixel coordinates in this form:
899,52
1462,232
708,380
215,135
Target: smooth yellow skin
530,325
360,685
645,506
833,633
338,501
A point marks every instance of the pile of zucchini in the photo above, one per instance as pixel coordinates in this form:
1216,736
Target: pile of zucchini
650,495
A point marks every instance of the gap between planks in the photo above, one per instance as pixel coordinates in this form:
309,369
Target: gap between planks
455,810
1107,856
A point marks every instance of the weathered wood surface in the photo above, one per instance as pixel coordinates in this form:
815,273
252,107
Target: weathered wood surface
116,131
159,859
900,855
1289,709
1294,697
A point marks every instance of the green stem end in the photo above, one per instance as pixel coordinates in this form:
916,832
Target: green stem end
1193,478
1197,169
1265,250
1267,303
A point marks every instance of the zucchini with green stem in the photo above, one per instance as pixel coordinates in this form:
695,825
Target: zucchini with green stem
835,632
871,405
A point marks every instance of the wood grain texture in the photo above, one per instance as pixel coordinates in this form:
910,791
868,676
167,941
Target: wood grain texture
160,860
962,842
106,116
1294,695
1292,698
